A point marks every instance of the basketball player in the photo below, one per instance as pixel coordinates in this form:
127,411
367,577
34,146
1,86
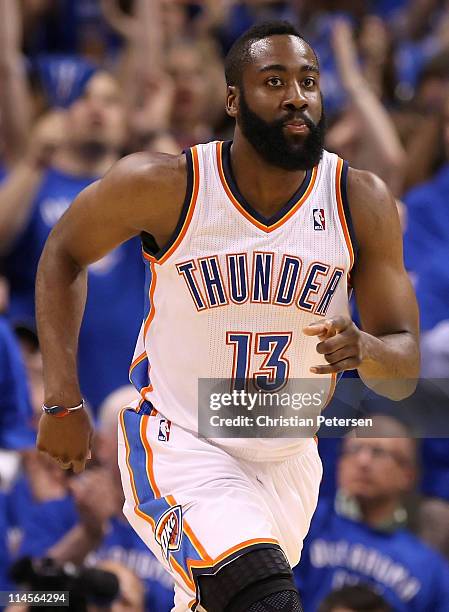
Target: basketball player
243,274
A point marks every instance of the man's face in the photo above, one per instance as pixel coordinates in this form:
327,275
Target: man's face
186,68
97,117
279,107
372,469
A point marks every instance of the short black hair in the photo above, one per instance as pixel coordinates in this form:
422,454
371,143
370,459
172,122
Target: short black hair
357,597
239,54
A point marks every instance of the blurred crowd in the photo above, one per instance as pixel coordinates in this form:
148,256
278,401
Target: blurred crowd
84,82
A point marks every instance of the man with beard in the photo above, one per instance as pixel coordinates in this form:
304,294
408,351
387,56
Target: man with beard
249,247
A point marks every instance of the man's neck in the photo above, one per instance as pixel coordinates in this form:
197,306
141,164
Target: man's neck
78,162
264,186
378,514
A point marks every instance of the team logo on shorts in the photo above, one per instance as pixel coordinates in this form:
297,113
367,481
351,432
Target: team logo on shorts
319,221
168,532
164,430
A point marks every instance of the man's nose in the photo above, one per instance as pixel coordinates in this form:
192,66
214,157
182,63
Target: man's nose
96,113
295,98
364,456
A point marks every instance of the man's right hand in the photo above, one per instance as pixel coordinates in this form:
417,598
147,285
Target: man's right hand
66,439
94,497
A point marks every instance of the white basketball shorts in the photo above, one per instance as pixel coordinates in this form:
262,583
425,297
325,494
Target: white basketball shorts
197,507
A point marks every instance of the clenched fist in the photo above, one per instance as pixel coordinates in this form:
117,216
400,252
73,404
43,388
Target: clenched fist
67,440
342,344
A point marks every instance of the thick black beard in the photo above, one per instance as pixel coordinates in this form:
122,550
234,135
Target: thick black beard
271,143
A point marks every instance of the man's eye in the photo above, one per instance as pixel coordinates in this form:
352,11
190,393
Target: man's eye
309,82
274,81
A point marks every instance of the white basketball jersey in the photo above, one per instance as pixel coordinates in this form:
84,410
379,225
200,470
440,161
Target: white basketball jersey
228,297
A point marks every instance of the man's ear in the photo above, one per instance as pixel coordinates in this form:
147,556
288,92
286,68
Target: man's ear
232,100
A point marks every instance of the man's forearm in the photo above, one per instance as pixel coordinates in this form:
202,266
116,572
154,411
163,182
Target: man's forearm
16,198
390,364
76,544
61,289
15,105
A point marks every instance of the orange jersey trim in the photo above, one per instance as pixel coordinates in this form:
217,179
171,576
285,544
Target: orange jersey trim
146,326
151,314
242,545
206,560
341,212
137,360
239,207
189,583
188,219
170,499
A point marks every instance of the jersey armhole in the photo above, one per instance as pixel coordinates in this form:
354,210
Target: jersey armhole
345,211
149,244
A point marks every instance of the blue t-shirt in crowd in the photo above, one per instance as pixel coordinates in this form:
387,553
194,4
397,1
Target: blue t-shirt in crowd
435,467
46,523
15,407
384,8
114,306
15,423
5,584
65,30
427,220
338,551
432,287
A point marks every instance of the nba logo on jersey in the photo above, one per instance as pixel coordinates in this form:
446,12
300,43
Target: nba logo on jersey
168,531
164,430
319,221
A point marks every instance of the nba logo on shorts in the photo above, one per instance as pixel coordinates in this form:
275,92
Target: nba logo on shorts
319,222
168,532
164,430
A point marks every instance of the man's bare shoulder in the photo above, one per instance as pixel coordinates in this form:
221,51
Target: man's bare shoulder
147,190
158,173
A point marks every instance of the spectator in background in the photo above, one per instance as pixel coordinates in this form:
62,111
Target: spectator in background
191,114
68,151
363,537
359,598
433,515
421,123
83,522
32,357
428,230
37,478
426,248
175,100
16,432
365,134
15,407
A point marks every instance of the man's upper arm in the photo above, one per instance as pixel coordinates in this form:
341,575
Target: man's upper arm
140,192
385,297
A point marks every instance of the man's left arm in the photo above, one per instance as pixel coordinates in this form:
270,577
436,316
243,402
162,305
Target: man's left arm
386,352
